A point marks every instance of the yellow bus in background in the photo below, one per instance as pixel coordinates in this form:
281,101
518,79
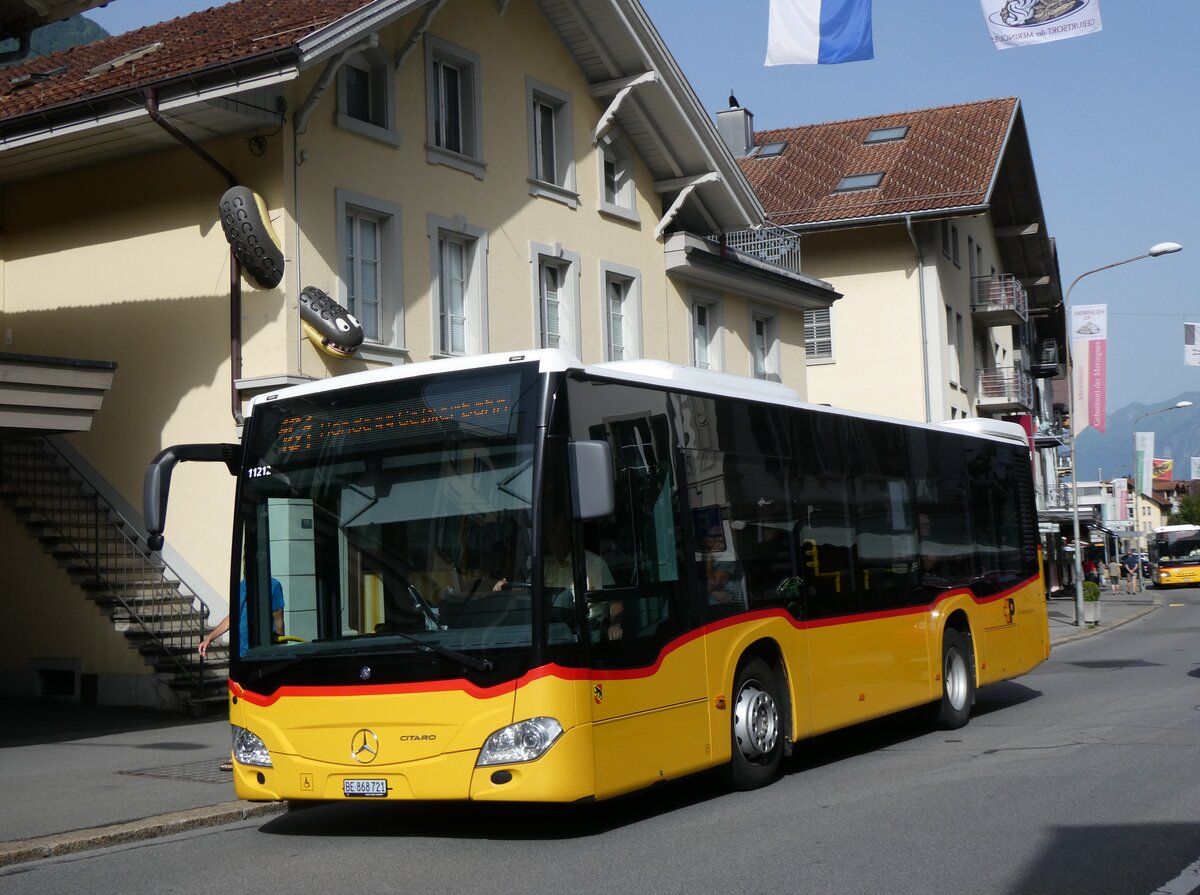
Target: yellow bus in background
1175,555
522,578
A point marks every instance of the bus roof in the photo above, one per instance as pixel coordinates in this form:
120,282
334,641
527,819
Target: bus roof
645,372
1168,529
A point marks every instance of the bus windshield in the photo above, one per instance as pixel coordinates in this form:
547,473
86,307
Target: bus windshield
374,519
1182,545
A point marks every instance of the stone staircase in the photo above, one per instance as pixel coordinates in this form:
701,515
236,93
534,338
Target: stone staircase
134,589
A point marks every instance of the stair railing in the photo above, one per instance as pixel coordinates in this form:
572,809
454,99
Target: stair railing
115,563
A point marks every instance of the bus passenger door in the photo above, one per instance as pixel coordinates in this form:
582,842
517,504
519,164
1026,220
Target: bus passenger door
648,696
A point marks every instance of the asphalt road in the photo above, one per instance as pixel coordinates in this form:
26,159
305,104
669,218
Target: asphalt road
1078,778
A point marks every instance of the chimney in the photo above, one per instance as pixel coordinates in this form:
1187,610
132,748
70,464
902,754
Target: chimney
736,127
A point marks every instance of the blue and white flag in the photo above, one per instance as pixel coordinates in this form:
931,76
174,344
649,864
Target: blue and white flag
819,31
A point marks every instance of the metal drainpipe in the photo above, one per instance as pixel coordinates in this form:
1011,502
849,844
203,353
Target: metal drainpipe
924,333
235,269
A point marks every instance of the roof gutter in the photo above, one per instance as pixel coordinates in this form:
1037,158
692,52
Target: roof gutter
235,269
902,217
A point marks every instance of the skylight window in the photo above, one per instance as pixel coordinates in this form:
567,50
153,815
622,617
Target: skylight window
887,134
767,150
124,58
852,182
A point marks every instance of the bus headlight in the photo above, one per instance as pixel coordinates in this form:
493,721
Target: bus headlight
523,741
249,749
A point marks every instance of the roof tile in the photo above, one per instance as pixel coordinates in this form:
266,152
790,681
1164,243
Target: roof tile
946,161
221,35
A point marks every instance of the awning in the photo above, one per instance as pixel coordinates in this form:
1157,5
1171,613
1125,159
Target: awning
49,395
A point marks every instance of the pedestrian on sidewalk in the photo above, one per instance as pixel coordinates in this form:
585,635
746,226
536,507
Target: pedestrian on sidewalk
1129,570
1114,574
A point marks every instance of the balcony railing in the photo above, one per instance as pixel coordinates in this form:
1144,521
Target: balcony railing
769,244
1045,360
1004,388
999,300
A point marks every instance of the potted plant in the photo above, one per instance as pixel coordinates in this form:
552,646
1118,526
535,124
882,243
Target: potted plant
1091,602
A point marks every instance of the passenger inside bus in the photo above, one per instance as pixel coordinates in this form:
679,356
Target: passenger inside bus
720,575
605,618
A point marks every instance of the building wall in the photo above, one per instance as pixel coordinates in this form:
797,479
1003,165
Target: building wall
125,262
876,365
883,355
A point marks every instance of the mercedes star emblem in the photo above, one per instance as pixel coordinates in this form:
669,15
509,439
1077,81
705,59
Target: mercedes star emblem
364,746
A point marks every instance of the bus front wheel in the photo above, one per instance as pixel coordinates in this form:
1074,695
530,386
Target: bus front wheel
958,682
757,736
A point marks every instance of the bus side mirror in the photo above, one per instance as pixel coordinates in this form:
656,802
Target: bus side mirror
591,479
156,484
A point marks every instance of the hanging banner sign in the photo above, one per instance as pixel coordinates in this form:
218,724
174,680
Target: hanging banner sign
1015,23
1121,498
1191,344
1143,460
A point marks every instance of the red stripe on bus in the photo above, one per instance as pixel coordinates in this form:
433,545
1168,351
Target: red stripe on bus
618,674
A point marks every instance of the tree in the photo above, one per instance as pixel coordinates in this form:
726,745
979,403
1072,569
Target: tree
1189,511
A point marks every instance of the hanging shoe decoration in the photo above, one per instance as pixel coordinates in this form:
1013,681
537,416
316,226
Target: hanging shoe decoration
327,324
248,229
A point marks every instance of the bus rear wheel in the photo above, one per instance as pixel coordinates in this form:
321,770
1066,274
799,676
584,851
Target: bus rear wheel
958,682
755,729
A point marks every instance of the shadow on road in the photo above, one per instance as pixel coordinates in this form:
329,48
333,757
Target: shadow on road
31,722
487,821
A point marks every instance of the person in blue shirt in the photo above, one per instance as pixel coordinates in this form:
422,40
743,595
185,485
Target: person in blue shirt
243,632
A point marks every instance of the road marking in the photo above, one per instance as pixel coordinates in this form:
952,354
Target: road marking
1183,884
1177,604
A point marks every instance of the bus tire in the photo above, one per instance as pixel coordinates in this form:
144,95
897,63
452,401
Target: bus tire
958,682
755,727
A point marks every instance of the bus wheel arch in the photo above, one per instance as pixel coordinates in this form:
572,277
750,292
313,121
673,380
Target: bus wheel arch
957,673
759,719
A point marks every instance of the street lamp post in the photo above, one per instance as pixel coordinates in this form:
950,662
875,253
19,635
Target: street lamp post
1162,248
1178,405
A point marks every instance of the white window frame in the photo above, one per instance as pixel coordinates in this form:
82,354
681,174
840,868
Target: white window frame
818,336
764,358
568,264
716,332
475,298
469,157
390,338
630,280
562,186
381,78
621,201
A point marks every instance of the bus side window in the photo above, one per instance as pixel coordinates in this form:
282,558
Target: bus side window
825,529
945,542
885,527
642,542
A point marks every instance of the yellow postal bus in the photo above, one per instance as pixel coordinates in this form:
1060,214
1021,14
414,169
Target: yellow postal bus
1175,555
522,578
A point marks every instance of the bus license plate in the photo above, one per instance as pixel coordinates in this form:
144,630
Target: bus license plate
365,788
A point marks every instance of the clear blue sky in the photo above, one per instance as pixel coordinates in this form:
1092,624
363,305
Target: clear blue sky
1112,122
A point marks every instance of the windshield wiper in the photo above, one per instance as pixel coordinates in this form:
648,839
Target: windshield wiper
447,653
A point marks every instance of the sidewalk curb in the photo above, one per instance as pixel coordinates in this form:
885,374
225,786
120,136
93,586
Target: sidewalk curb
1102,627
19,851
